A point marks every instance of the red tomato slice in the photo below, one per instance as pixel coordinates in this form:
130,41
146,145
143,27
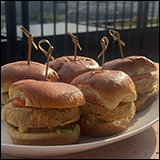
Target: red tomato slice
19,102
136,78
91,101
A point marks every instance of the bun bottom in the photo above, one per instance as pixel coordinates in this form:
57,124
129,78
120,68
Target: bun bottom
101,129
145,100
43,139
106,128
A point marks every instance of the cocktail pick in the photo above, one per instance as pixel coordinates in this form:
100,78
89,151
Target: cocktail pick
30,41
113,34
104,47
48,54
45,52
75,41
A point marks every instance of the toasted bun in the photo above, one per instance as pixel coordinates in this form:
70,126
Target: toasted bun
133,65
109,127
107,87
68,69
43,139
146,99
19,70
45,94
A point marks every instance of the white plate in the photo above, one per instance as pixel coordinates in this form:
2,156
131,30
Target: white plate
139,123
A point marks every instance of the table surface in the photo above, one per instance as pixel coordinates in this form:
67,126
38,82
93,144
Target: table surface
144,145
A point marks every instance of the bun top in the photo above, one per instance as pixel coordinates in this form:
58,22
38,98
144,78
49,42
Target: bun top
44,94
107,87
19,70
133,65
68,69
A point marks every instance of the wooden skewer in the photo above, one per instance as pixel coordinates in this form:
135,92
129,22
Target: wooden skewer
30,42
45,52
104,47
75,41
113,34
48,54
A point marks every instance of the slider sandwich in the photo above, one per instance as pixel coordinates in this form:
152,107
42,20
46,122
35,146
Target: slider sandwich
140,69
19,70
43,113
68,69
109,106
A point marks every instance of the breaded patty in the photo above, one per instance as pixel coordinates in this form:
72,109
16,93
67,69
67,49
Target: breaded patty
4,99
145,99
102,114
38,117
145,84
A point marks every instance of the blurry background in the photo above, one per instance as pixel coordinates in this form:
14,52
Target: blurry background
136,21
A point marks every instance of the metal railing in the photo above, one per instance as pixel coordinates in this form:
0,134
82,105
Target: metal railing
138,30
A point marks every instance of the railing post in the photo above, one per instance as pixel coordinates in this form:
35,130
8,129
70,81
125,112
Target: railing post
11,29
145,14
41,15
25,24
139,14
138,29
25,14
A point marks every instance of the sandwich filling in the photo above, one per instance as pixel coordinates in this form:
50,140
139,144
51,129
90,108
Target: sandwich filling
144,83
94,113
68,128
146,89
142,97
28,119
4,99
